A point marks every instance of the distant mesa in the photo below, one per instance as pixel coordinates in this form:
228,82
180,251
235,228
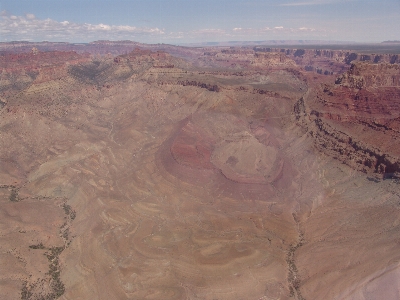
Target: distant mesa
391,42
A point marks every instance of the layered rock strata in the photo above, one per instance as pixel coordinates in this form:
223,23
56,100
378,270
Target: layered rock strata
357,119
124,179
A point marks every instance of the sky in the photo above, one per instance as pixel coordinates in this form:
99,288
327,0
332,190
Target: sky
195,21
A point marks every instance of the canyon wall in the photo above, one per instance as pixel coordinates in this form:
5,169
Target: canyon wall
230,175
357,119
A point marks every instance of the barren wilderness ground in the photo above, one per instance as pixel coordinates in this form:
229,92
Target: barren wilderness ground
134,171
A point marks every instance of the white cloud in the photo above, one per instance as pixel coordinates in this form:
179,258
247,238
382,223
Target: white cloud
307,29
240,33
209,31
29,27
244,31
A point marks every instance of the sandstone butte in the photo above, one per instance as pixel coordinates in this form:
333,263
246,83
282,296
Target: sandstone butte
133,171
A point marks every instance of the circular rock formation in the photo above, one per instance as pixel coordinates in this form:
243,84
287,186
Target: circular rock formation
244,159
223,151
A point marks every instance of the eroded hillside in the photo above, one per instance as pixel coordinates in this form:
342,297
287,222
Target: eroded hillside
151,176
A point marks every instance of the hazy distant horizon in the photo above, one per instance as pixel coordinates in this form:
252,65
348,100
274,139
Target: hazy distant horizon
292,42
381,47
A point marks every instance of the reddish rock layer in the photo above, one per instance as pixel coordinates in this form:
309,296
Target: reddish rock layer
193,147
223,153
357,120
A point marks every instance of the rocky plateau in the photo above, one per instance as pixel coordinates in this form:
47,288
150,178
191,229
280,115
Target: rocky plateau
133,171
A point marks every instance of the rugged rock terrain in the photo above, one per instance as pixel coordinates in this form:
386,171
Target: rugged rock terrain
220,176
357,119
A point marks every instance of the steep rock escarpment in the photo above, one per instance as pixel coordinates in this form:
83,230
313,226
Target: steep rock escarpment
363,75
328,61
357,120
156,186
181,173
19,71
